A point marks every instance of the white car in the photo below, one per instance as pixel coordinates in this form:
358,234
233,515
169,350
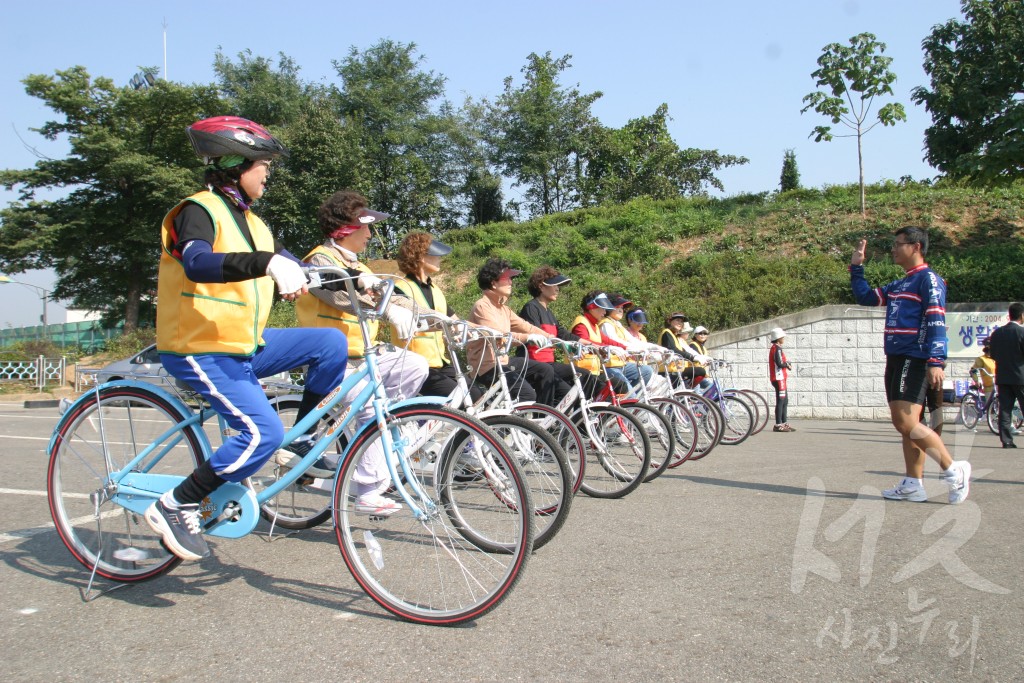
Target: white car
145,365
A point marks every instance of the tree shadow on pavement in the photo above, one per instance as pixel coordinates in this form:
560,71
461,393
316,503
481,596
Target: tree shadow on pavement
759,486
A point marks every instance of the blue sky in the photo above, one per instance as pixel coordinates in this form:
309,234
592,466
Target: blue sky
733,74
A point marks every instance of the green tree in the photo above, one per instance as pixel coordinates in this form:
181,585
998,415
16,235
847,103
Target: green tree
128,163
254,89
485,199
642,160
790,177
325,157
854,76
977,80
538,133
405,135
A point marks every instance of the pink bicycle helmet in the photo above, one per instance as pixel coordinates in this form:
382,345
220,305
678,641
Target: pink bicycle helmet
233,136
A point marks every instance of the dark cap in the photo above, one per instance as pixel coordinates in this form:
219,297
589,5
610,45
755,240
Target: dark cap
619,301
677,314
599,300
557,279
637,315
438,249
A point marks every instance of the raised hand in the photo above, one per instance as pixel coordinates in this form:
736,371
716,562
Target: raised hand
858,254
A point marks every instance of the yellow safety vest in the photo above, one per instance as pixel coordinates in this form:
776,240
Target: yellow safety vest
225,318
314,312
615,361
676,366
588,362
429,344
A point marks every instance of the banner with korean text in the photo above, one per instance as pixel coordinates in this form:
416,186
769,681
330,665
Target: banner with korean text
968,330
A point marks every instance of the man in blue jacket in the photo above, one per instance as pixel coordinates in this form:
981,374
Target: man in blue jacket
915,354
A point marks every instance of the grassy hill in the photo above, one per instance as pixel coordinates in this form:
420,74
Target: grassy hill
728,262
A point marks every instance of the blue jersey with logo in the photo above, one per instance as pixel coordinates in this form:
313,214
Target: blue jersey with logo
915,316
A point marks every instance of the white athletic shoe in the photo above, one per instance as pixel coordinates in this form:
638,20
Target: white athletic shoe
958,477
907,489
376,505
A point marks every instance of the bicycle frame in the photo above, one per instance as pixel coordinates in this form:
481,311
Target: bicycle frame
232,511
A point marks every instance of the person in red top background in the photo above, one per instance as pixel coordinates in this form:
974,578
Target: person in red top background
595,307
778,371
544,285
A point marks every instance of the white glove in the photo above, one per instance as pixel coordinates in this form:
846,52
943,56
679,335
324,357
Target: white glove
702,359
367,282
287,274
403,320
616,351
537,340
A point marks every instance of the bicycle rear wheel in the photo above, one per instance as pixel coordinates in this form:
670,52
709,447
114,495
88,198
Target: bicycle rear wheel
101,433
545,469
992,416
618,455
463,550
306,503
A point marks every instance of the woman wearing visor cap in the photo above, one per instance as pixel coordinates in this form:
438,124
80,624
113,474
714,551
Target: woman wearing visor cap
545,285
419,260
674,338
528,380
345,223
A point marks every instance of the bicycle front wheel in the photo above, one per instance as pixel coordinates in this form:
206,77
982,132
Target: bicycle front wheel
545,468
969,411
619,452
461,549
710,422
684,427
758,405
739,421
659,431
563,431
104,431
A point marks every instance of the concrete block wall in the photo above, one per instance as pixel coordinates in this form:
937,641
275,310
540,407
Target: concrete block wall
837,358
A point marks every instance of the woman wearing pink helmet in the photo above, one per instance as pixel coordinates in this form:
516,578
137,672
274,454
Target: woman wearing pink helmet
218,267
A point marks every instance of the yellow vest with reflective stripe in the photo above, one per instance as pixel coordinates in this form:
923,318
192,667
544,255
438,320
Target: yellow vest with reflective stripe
588,362
313,312
615,361
225,318
679,365
429,344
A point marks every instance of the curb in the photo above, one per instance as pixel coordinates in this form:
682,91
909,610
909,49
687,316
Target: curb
47,403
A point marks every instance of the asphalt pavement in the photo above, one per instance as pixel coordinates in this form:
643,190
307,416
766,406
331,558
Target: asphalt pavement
776,559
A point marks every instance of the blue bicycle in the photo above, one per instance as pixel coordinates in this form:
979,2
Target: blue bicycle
452,553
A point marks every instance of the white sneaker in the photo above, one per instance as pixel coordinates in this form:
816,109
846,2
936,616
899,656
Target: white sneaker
376,505
960,481
907,489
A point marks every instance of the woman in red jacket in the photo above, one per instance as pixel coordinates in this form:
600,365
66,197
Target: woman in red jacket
778,371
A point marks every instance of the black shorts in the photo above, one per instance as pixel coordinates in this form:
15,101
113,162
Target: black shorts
906,379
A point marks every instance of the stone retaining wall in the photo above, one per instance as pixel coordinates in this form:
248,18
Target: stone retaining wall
837,358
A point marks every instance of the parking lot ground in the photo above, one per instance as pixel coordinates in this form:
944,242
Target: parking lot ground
773,560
